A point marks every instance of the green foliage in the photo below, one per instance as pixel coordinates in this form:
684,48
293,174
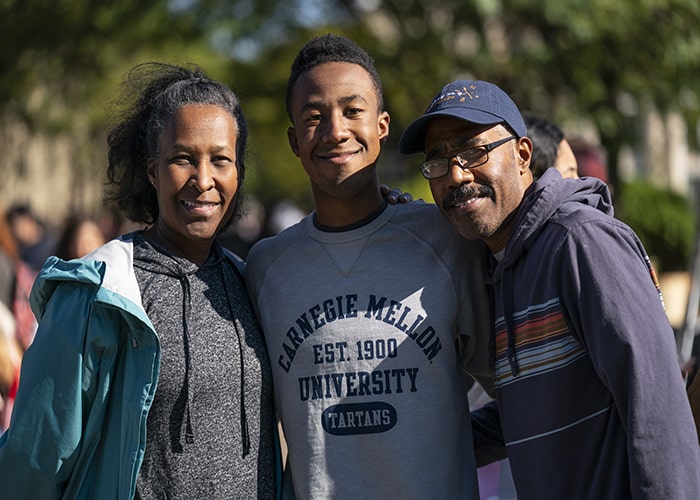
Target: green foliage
663,220
61,61
569,60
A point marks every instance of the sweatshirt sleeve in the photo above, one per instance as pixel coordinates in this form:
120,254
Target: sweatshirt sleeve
474,314
45,439
489,444
612,298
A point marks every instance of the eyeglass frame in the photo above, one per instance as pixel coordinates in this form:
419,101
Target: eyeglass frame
463,163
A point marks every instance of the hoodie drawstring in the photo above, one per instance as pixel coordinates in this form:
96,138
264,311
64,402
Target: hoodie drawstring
186,301
189,430
161,262
510,334
245,435
184,282
492,332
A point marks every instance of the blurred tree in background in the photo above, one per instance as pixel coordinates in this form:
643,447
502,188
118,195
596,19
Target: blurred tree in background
663,221
596,63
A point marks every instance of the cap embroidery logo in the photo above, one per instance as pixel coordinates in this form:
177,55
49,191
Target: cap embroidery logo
461,94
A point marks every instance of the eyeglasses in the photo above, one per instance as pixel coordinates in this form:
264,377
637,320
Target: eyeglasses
467,159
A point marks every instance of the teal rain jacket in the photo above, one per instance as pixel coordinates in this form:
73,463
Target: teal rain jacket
78,428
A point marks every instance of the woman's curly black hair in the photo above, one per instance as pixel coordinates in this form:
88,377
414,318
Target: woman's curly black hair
151,93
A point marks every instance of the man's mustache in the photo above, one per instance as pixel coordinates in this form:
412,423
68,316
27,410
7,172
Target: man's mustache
465,192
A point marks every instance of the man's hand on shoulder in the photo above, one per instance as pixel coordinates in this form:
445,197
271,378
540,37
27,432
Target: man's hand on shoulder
395,195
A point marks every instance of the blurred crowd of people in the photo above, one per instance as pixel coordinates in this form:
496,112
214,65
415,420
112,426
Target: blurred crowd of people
26,242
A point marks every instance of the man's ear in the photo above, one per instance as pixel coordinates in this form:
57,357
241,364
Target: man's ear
292,138
524,153
383,123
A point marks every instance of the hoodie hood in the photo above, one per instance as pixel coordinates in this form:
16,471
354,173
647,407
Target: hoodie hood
545,198
550,193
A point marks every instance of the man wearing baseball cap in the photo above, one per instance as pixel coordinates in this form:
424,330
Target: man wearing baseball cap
590,395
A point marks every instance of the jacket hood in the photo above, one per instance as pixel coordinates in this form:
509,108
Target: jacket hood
109,268
543,199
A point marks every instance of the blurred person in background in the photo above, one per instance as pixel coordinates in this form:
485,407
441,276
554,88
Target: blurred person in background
112,223
80,236
240,237
10,349
10,361
16,280
549,148
9,254
590,160
283,214
148,376
35,241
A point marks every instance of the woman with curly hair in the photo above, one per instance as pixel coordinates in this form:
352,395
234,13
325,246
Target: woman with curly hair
148,376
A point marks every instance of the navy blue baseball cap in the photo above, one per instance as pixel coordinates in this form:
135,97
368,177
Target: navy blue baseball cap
472,101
